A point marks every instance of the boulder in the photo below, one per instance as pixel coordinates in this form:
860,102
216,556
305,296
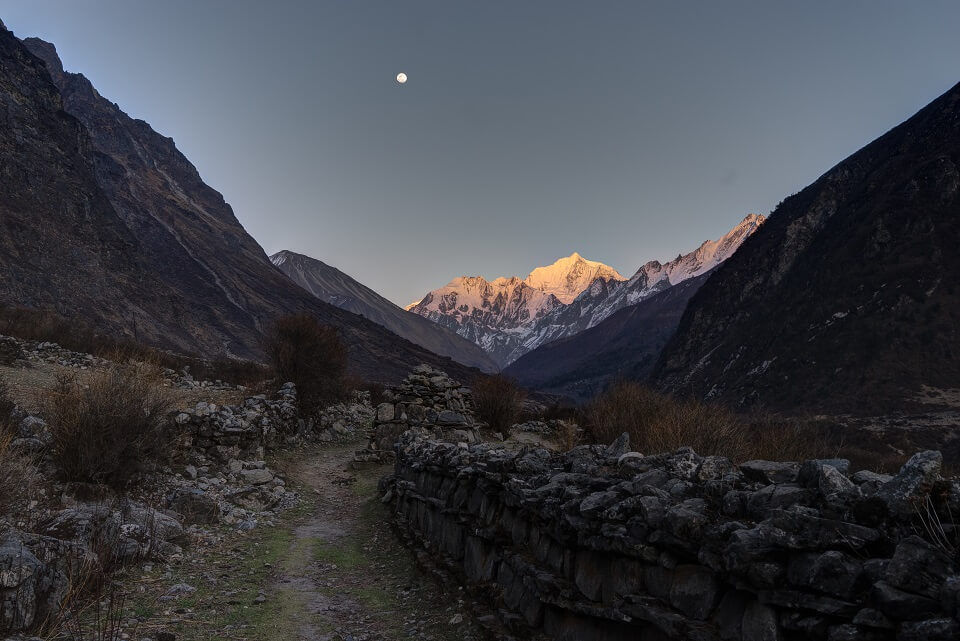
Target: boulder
905,493
770,471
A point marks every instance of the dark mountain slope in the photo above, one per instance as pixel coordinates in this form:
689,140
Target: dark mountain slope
848,297
626,344
105,221
331,285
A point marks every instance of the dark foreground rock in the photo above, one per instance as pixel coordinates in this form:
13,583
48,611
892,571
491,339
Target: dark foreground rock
599,544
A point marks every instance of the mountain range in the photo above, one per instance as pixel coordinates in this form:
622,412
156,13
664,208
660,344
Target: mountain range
103,220
625,344
333,286
848,298
845,300
509,317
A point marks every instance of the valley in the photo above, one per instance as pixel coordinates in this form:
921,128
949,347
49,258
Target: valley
758,440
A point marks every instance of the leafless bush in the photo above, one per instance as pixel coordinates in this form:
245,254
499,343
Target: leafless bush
310,355
106,428
497,401
658,423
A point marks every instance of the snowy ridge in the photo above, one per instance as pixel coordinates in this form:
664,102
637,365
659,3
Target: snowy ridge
509,317
569,276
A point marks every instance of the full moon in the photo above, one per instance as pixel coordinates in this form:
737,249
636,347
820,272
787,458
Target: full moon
401,78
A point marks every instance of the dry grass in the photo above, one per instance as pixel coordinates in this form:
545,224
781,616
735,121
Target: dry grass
497,400
310,355
658,423
16,477
107,427
569,435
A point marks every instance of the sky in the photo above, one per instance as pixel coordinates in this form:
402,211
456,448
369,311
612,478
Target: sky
626,131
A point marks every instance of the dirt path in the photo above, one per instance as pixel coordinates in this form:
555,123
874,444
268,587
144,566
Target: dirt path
345,577
331,569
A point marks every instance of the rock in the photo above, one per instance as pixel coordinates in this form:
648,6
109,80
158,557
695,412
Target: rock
770,471
941,629
26,586
904,493
694,591
619,447
832,572
32,427
449,418
759,623
194,505
918,567
180,589
901,605
255,498
190,472
257,476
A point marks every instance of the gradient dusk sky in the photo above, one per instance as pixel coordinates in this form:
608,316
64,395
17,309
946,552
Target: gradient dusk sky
626,131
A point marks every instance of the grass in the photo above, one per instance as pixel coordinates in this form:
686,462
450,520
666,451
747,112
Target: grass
373,574
242,568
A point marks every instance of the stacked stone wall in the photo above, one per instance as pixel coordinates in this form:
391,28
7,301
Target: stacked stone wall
602,543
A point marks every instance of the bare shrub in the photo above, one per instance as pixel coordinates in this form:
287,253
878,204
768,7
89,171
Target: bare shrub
107,427
657,423
497,400
310,355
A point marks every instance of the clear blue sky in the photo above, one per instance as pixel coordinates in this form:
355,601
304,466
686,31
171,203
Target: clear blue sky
626,131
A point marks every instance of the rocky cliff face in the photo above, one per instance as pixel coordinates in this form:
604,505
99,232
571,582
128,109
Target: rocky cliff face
509,317
625,344
603,543
106,222
847,298
331,285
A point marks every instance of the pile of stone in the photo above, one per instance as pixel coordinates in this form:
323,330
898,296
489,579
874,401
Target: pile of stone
241,431
543,428
604,543
428,401
344,421
183,379
16,351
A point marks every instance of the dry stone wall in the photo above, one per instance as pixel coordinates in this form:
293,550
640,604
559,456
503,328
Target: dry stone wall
603,543
428,401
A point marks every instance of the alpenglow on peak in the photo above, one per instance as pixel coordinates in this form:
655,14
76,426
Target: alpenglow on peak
568,277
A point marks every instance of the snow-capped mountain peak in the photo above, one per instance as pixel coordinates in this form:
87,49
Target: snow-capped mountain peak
510,316
569,276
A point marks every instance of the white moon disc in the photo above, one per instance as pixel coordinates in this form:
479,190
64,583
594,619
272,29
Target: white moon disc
401,78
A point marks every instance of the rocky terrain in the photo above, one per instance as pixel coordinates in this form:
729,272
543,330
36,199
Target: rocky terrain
846,299
104,221
509,317
331,285
256,527
605,543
